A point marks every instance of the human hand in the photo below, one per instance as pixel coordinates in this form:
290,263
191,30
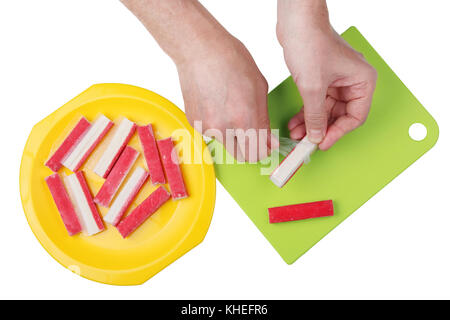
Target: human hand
221,84
335,81
223,88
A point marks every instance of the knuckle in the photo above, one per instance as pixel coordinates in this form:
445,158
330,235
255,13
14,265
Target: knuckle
315,118
358,121
363,119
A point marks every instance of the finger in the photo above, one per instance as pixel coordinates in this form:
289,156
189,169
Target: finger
296,120
243,146
298,132
274,142
357,108
339,109
315,113
263,144
357,111
231,145
239,151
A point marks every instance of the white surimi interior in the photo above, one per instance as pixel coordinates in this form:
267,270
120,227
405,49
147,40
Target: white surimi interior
75,156
81,205
116,143
124,194
292,162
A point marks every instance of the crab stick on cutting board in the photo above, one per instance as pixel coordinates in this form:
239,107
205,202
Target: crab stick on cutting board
301,211
126,196
151,154
63,203
72,139
293,161
90,140
141,213
81,198
118,142
116,177
172,168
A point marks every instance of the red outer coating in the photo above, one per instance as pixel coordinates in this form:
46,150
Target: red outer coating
97,141
63,203
130,199
119,152
172,169
151,154
116,177
54,162
143,211
88,196
301,211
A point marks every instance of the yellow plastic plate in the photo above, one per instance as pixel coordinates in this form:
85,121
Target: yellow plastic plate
173,230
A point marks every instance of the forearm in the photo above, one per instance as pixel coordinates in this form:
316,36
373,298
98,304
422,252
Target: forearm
181,27
296,17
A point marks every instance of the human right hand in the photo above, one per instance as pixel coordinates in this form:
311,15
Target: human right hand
335,81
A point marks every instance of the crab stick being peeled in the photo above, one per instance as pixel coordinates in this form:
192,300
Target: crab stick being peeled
293,161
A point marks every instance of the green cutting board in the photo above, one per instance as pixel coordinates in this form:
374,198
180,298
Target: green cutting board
350,173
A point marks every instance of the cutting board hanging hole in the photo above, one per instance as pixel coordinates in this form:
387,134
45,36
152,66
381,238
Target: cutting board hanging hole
417,131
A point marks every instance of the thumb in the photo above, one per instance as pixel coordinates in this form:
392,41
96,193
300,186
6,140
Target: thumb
316,117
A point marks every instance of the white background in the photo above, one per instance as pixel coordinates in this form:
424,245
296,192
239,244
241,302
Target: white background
395,246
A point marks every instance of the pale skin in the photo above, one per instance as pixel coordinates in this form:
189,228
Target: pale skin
223,87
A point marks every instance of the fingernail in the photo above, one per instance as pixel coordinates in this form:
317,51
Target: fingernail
315,136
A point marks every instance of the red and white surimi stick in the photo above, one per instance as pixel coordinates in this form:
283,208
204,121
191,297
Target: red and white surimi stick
116,177
301,211
80,195
149,206
126,196
63,203
74,137
151,154
120,139
90,140
293,161
172,168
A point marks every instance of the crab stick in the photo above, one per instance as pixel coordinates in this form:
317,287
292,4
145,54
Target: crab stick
120,139
63,203
171,167
81,198
116,177
126,196
87,144
151,154
54,162
149,206
293,161
301,211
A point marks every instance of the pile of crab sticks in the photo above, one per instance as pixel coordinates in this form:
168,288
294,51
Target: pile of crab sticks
72,196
